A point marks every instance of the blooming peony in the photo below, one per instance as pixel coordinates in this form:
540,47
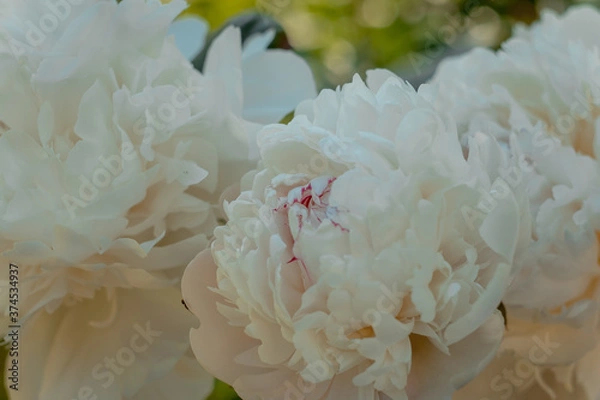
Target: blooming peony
540,97
348,268
114,153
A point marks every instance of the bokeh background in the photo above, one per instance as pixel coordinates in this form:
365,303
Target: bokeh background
341,37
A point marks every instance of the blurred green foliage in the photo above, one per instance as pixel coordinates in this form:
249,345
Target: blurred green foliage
341,37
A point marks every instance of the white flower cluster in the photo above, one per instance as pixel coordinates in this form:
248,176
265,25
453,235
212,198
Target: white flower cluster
540,96
357,261
385,244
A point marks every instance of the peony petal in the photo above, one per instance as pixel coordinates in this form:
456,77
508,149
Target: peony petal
146,339
433,374
215,342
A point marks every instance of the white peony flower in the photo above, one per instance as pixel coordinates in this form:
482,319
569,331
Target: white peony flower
347,269
114,152
540,96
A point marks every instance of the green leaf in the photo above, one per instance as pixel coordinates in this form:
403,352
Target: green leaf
223,392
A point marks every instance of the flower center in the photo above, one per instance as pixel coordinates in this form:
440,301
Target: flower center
363,333
310,203
305,207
